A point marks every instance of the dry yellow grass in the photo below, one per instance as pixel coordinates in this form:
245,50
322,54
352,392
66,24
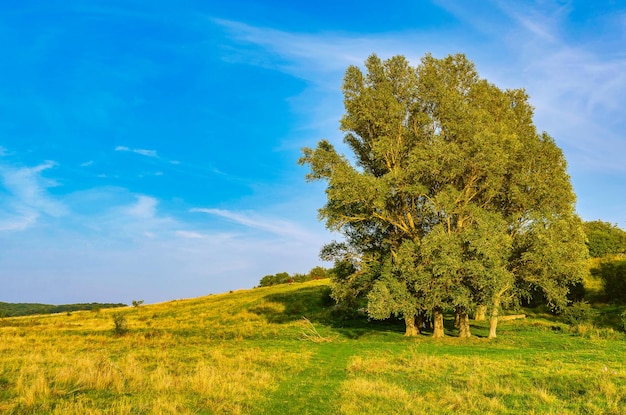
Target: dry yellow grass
251,352
172,360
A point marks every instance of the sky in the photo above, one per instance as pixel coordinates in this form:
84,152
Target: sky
148,150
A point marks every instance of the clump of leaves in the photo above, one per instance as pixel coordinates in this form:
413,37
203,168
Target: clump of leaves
623,315
578,313
137,303
120,325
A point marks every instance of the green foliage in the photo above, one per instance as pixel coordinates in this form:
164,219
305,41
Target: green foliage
623,317
137,303
27,309
604,238
269,280
120,325
455,199
316,273
579,313
613,275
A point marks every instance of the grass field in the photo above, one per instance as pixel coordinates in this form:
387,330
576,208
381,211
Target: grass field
251,352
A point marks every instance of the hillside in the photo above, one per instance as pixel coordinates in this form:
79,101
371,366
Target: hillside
251,352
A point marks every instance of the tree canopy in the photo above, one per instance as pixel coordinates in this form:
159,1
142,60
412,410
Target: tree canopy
604,238
451,198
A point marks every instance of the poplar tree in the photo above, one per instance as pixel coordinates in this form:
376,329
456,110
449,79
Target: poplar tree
451,198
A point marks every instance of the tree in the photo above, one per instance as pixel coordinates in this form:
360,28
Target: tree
604,238
279,278
452,196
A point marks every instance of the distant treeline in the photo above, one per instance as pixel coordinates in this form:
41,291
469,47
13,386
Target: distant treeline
316,273
27,309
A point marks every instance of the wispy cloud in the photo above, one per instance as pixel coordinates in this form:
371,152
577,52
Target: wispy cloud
577,87
274,226
190,235
143,152
27,196
17,220
145,207
316,56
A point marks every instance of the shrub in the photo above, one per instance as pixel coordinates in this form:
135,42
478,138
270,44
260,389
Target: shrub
137,303
623,315
120,325
579,313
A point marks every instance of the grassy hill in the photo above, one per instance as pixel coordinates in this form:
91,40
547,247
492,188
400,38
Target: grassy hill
251,352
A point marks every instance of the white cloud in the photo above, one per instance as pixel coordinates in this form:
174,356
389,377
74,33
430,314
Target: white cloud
141,151
190,235
17,221
147,153
578,88
129,249
274,226
87,163
145,207
27,196
320,58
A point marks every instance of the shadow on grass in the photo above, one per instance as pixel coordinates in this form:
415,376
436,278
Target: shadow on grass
315,304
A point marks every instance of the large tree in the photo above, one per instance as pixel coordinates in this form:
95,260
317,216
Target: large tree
453,197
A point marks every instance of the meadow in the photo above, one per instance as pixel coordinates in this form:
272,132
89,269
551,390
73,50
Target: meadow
286,350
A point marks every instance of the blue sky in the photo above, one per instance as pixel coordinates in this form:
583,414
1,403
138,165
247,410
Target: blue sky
148,149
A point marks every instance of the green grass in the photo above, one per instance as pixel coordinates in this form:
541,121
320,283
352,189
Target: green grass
251,352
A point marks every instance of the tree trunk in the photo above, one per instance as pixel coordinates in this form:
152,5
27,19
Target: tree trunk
419,321
464,326
411,328
493,319
493,325
457,317
481,312
438,323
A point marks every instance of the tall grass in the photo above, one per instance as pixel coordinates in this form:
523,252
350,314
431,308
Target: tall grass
251,352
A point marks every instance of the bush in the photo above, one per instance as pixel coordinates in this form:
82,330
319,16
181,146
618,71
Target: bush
623,315
579,313
137,303
120,325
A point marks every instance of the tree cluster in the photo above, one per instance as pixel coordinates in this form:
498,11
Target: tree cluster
604,239
451,199
27,309
316,273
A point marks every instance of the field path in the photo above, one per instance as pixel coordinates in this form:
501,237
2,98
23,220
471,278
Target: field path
313,390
